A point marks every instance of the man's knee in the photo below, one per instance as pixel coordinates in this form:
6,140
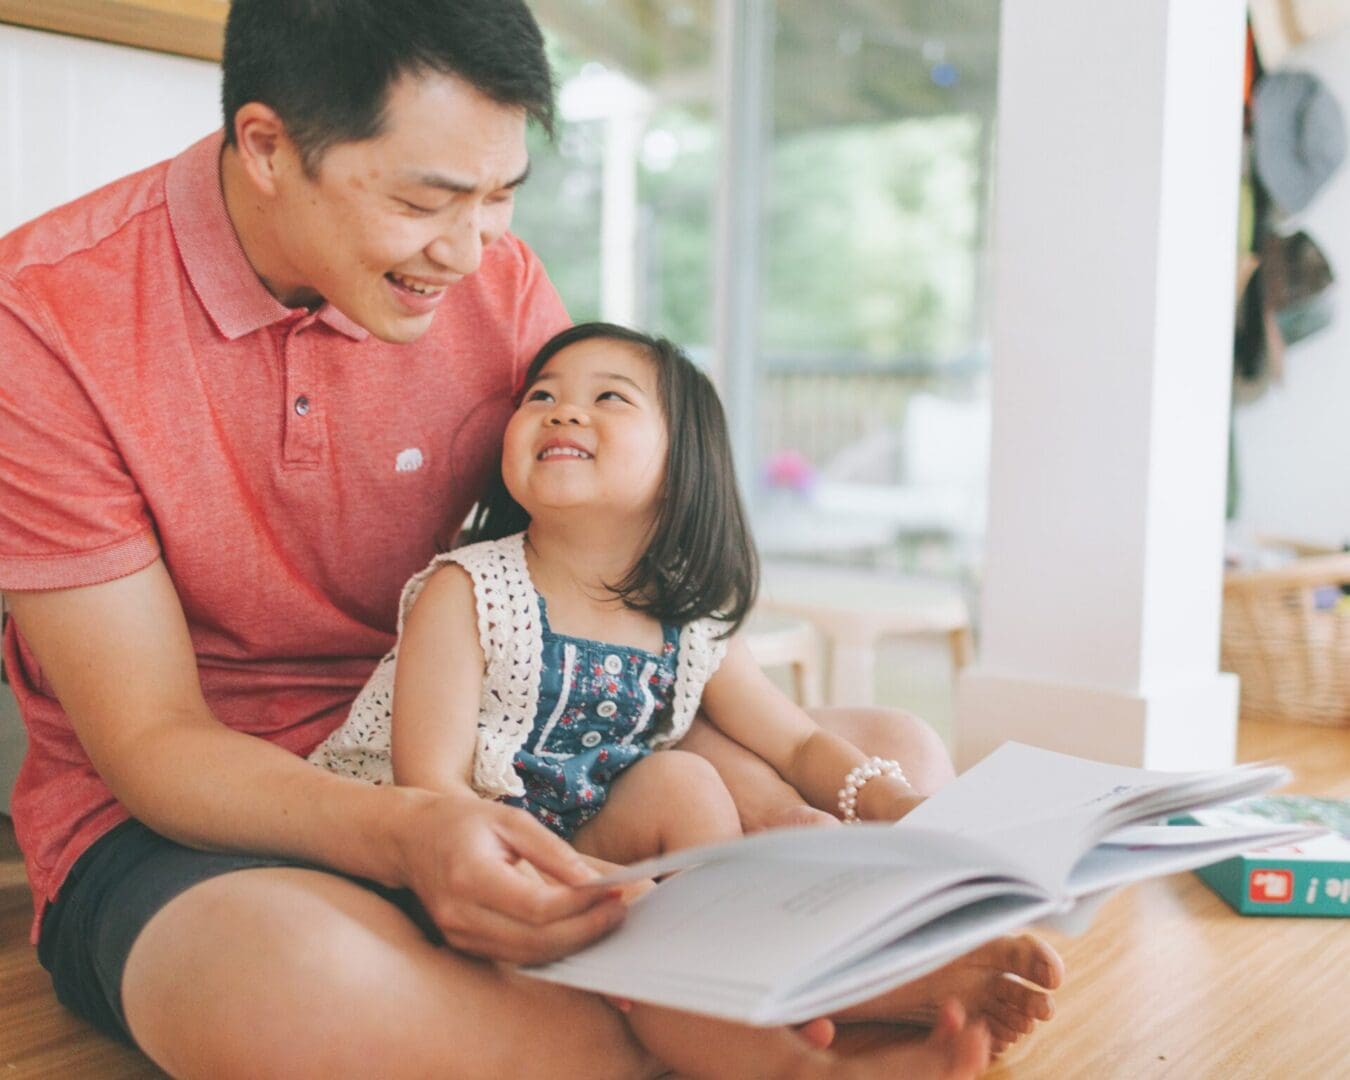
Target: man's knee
894,733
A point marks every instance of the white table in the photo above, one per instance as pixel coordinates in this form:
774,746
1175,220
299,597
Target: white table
856,609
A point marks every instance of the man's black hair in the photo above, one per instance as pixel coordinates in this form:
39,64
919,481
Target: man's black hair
325,66
700,559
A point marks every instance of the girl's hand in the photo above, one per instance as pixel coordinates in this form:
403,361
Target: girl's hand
471,861
797,815
885,798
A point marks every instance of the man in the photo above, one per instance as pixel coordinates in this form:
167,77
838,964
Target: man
246,393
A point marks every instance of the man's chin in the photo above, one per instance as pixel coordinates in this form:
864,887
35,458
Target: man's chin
402,331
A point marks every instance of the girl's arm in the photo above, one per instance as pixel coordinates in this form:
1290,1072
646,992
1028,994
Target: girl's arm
437,687
744,704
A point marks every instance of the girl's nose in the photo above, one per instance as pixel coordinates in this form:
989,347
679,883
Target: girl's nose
567,414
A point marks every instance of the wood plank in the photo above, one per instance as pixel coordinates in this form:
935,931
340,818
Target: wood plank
1170,982
186,27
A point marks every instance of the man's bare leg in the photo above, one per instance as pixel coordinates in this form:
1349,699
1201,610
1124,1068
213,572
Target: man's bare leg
1006,982
297,973
955,1048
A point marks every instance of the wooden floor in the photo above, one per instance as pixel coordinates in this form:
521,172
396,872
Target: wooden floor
1167,983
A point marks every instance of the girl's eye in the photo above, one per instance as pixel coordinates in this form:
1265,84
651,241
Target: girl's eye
612,394
538,395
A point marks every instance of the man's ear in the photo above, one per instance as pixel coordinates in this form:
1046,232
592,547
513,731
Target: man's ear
265,150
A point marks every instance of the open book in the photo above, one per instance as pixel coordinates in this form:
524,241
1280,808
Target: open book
784,926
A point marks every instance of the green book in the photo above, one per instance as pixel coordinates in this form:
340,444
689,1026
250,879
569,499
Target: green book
1311,877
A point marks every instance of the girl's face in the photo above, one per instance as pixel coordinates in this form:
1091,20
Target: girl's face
589,435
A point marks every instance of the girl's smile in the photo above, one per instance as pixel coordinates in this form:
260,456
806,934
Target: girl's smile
563,450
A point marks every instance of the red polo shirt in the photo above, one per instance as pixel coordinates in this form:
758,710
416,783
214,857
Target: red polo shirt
157,401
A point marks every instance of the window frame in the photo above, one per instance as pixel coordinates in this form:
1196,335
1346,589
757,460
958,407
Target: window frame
193,28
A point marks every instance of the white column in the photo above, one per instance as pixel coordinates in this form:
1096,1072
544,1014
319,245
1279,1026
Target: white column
619,216
1115,245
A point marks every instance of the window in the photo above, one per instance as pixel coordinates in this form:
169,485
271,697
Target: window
861,410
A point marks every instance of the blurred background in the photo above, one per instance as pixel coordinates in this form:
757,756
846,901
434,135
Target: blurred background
799,194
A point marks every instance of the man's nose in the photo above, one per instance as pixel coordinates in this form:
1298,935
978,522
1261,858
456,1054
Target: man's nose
459,246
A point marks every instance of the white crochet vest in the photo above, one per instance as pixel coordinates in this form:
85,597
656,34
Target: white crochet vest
512,640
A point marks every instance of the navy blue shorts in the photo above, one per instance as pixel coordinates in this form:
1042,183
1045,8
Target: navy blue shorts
114,889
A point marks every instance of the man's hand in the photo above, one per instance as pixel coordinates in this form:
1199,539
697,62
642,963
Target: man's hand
498,884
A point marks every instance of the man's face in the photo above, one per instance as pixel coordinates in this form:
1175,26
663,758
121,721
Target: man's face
388,224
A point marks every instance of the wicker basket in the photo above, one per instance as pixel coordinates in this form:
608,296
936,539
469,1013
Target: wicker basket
1286,634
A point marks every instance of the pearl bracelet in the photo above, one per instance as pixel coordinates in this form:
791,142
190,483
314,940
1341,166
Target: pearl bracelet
857,777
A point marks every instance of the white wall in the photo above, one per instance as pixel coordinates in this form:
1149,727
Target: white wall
75,114
1294,441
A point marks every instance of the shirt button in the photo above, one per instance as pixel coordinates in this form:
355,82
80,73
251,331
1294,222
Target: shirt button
590,740
302,405
606,709
613,664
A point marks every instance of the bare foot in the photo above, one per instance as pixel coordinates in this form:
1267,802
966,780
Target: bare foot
818,1033
1005,983
956,1049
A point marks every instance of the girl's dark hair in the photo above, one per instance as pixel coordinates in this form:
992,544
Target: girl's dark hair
325,66
700,559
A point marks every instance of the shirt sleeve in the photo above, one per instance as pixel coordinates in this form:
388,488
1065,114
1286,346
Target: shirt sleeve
70,513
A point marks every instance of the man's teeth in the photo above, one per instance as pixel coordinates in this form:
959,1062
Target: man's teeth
563,451
413,286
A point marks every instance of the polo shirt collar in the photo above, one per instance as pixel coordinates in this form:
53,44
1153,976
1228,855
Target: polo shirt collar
228,287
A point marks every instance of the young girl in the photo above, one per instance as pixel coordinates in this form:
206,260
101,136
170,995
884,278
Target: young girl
554,662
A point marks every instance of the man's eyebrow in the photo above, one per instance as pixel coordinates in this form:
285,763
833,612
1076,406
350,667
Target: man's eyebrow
463,187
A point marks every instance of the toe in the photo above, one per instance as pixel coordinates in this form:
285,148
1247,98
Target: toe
1013,1020
1032,1001
1034,960
1000,1034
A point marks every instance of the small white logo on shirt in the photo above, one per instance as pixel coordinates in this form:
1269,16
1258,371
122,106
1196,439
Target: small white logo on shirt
409,460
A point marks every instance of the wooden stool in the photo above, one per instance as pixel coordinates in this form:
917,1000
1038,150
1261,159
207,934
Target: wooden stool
856,609
784,641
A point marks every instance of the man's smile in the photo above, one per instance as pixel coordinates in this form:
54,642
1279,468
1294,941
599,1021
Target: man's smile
420,286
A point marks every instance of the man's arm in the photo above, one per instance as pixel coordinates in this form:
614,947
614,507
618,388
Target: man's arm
120,659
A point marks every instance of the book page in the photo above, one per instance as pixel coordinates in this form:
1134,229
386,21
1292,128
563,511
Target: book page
1150,851
1019,785
732,933
924,949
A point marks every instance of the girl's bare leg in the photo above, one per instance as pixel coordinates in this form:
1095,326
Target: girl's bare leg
296,973
667,801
